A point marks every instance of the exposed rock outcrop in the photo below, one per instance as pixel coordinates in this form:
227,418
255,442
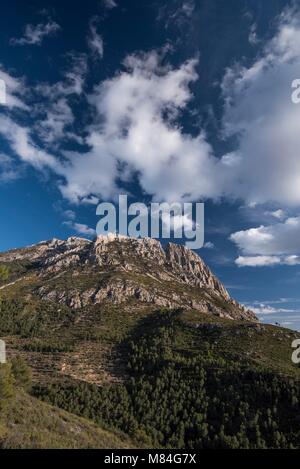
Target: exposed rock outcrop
117,269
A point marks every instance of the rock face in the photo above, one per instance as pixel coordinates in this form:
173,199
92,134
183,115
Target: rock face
116,269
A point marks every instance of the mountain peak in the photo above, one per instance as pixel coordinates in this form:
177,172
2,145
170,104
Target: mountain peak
121,270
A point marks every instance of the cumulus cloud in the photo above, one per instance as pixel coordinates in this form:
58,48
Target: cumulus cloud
260,113
135,131
139,134
279,238
269,245
34,34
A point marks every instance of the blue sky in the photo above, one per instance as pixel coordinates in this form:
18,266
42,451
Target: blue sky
180,100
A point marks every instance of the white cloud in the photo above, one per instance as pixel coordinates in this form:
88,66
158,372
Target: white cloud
269,245
109,4
292,260
209,245
95,42
188,7
53,112
19,136
70,214
279,214
259,111
177,13
23,146
91,200
14,90
136,130
139,133
266,261
257,261
253,39
267,309
8,170
34,34
178,223
80,228
276,302
279,239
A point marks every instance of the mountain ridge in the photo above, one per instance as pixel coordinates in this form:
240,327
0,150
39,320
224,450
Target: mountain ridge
139,269
144,340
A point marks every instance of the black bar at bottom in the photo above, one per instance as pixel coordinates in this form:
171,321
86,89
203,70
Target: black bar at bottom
139,458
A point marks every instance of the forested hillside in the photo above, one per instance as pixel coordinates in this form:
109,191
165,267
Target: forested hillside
184,390
142,341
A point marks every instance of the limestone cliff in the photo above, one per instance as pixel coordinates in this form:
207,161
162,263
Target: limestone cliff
119,270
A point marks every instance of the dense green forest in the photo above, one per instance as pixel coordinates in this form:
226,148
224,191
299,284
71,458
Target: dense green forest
30,319
180,393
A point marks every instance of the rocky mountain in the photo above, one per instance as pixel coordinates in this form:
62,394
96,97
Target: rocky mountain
143,339
66,304
119,270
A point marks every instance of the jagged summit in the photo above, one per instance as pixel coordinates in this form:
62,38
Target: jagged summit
116,269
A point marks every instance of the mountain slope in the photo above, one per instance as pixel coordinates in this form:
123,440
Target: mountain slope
66,304
148,341
26,422
196,381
